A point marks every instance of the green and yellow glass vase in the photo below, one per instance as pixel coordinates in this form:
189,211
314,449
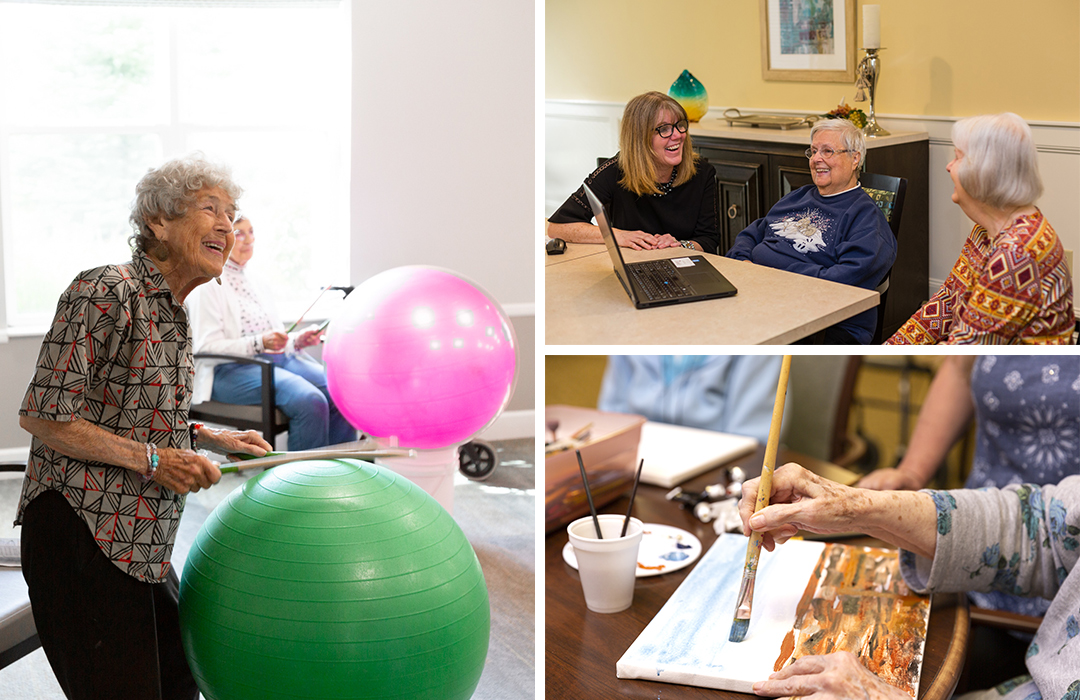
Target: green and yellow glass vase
691,94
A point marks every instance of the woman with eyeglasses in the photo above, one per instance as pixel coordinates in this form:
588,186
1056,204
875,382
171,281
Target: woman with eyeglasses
1011,283
656,194
831,229
113,457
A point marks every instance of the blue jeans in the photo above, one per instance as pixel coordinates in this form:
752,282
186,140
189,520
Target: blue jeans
301,394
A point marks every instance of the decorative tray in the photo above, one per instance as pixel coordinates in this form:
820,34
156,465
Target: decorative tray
769,121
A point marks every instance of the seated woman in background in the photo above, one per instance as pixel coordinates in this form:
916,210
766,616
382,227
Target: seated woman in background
237,317
654,191
725,393
831,229
1011,284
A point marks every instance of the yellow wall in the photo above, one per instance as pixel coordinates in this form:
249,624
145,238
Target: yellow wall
948,58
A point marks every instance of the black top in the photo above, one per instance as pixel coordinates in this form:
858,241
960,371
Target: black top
687,212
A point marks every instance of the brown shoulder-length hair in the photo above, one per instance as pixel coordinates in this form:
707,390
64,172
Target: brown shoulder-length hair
639,121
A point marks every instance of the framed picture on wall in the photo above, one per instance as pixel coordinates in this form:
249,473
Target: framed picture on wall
810,40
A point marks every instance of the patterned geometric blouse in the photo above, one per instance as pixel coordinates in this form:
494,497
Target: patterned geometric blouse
1015,288
118,355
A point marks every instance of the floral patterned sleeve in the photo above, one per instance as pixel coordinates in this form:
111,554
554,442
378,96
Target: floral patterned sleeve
1025,540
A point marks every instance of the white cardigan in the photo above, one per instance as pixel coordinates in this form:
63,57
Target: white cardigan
215,327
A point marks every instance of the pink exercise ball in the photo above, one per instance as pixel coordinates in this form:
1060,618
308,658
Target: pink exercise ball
422,355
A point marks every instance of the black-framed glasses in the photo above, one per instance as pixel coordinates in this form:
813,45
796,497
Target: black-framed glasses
825,152
665,130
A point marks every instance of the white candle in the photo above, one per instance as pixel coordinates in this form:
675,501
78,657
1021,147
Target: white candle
871,27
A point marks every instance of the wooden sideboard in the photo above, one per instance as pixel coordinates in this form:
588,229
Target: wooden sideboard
756,167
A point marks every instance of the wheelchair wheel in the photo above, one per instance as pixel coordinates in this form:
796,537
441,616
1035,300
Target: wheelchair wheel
476,460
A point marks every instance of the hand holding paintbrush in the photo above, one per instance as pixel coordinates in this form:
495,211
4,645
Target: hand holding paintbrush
753,548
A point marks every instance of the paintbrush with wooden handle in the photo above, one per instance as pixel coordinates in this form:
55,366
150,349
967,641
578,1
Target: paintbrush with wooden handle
753,548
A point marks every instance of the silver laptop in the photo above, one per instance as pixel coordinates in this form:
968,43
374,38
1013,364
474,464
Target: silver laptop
664,281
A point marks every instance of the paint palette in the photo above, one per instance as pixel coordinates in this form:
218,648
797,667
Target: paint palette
663,549
809,598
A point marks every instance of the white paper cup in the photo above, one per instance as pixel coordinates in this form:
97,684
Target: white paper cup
607,566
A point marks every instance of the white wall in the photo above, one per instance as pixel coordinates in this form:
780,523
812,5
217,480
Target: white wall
579,131
443,153
443,140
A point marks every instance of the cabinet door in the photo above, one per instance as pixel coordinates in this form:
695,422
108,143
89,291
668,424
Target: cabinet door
789,173
740,179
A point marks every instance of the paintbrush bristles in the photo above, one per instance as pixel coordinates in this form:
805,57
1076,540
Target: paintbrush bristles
738,630
753,547
745,601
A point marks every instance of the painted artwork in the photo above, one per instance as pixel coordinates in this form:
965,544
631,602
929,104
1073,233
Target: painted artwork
807,27
810,598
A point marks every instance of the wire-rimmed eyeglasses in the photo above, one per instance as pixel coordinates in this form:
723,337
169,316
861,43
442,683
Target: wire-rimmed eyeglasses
825,152
665,130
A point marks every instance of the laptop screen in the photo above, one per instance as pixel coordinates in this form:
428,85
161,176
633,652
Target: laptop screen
609,236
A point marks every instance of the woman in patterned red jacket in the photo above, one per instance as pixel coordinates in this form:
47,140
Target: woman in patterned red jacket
1011,284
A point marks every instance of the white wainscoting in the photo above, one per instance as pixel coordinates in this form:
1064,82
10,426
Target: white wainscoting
577,132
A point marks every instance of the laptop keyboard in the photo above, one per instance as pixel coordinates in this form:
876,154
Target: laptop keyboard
659,280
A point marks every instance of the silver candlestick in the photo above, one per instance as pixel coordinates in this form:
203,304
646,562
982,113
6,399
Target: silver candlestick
867,77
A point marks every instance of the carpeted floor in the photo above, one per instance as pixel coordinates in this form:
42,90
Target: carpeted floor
498,517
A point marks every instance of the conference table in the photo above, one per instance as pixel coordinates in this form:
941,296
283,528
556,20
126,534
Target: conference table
582,647
586,304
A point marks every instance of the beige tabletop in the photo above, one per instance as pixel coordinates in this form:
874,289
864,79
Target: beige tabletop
575,251
586,305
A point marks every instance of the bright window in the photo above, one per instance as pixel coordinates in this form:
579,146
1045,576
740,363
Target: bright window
91,97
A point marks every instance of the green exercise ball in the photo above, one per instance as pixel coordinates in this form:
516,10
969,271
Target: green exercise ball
333,579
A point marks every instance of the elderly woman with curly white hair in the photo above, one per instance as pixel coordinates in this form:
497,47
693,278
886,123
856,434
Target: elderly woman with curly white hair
1011,283
113,456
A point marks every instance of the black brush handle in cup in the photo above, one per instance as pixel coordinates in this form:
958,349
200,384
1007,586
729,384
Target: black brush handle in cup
588,495
633,493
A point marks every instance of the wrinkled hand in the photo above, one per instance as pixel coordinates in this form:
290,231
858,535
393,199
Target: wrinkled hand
838,675
185,471
801,500
636,240
308,337
889,480
248,442
275,341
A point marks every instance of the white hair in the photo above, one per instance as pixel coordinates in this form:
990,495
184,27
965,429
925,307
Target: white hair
999,166
850,135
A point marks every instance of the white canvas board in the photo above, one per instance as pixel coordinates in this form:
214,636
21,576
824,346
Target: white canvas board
687,641
675,453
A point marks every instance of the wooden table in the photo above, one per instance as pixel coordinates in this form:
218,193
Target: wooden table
583,646
586,304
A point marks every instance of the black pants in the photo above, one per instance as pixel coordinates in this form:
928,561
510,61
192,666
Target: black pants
106,634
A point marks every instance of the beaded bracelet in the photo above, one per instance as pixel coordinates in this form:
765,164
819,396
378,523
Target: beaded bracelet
193,431
151,462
